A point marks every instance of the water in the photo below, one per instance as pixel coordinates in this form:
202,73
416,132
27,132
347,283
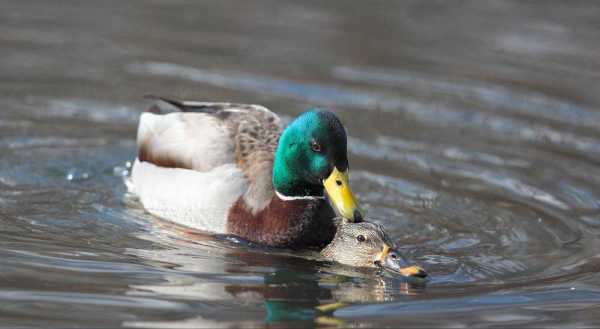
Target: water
473,138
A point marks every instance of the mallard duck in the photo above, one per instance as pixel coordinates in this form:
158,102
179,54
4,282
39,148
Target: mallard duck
366,244
234,169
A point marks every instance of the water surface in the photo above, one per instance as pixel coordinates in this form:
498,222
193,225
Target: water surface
473,138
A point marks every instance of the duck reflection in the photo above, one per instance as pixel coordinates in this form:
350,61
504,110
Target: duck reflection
293,288
311,291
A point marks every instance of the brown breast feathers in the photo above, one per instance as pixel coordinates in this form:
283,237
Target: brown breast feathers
290,224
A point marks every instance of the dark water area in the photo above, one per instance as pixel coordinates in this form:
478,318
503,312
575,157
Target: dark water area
473,138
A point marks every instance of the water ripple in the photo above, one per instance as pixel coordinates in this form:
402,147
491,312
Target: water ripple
432,113
31,297
491,97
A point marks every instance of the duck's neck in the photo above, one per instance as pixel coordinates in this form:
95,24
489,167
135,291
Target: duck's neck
288,183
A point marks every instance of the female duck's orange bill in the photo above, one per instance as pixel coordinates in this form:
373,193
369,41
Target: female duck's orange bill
390,259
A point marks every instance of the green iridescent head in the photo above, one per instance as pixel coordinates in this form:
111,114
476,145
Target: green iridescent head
312,156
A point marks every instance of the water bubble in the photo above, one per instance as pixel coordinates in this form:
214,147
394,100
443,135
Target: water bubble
77,175
122,171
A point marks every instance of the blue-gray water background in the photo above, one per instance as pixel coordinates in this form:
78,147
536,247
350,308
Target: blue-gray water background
473,138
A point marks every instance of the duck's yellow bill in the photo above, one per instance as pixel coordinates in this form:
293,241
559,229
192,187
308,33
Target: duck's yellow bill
341,196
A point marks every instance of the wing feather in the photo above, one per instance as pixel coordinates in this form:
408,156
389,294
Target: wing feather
203,135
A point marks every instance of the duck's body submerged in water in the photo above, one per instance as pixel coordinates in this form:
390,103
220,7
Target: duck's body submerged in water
234,169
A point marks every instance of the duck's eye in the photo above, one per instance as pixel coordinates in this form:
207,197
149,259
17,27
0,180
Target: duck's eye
361,238
315,146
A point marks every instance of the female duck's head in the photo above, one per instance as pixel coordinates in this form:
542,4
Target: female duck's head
312,156
367,245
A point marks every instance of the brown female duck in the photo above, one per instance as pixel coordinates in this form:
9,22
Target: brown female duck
366,244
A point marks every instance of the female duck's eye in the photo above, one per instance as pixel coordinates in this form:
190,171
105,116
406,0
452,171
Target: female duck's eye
361,238
315,146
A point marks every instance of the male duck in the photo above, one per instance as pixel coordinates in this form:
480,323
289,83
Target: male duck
233,169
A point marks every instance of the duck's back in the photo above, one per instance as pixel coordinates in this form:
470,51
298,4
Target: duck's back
208,135
193,166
